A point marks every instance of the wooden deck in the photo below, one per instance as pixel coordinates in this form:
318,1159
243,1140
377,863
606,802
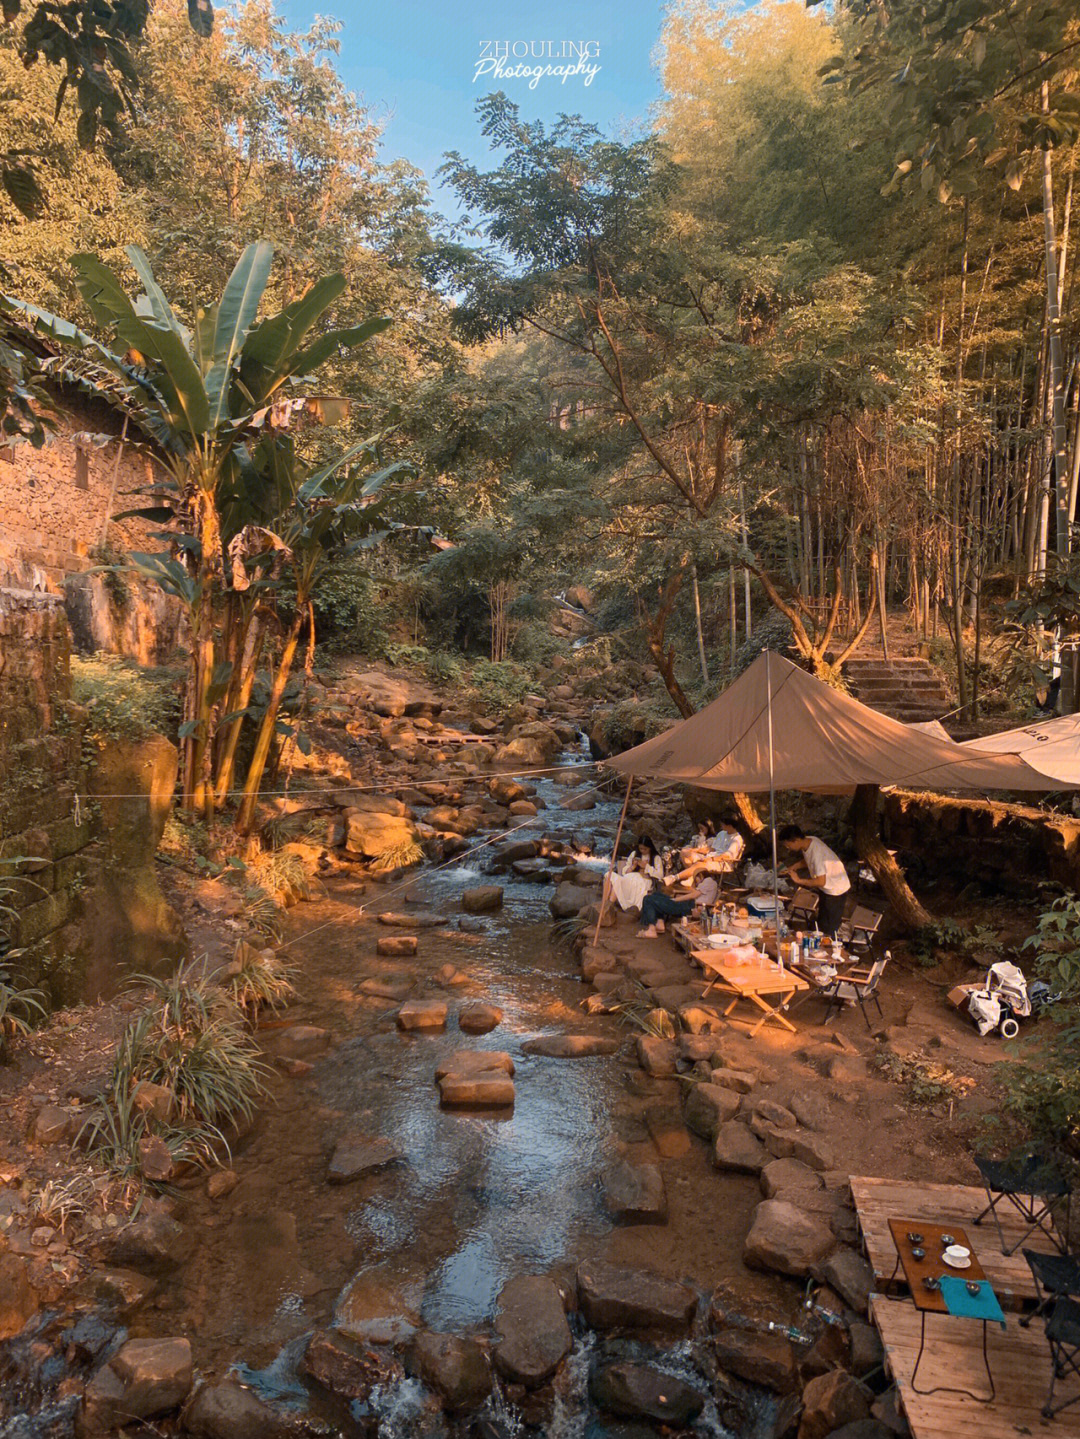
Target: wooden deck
879,1200
1019,1361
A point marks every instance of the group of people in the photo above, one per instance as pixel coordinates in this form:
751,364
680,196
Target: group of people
686,882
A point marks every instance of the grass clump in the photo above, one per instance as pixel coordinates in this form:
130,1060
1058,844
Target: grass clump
125,702
259,979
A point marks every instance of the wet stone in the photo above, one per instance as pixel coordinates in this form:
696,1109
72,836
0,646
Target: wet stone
123,1290
392,945
634,1193
300,1040
571,1046
153,1243
765,1359
485,1090
421,919
479,1018
420,1014
482,899
355,1156
342,1366
145,1377
639,1391
466,1063
456,1368
532,1336
229,1411
612,1297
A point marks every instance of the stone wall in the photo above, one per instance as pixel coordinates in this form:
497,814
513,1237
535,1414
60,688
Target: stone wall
55,508
1011,847
85,908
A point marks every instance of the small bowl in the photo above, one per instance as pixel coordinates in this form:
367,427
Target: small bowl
931,1282
918,1253
946,1240
914,1239
973,1286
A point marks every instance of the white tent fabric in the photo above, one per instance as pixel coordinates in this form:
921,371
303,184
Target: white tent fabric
822,740
1052,747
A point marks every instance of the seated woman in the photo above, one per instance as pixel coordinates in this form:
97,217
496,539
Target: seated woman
725,850
656,908
698,848
635,876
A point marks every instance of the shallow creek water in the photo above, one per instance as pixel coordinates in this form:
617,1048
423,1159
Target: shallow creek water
479,1199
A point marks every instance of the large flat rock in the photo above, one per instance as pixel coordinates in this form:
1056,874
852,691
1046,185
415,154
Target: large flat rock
571,1046
787,1240
613,1297
634,1193
357,1155
488,1089
532,1336
470,1062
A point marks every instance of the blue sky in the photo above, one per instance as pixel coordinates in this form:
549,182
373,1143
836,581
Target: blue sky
413,62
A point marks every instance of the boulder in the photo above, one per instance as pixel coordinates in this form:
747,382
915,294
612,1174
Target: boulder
420,1014
153,1244
866,1348
699,1019
640,1391
851,1276
456,1368
811,1109
765,1359
782,1175
479,1018
784,1239
738,1150
482,898
532,1337
766,1112
122,1290
156,1162
568,900
376,825
53,1125
634,1193
830,1401
229,1411
143,1378
708,1106
354,1156
658,1057
612,1297
488,1090
377,1306
571,1046
157,1100
18,1301
351,1369
742,1081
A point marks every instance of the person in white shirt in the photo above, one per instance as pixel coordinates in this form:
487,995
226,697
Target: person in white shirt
722,853
656,908
817,867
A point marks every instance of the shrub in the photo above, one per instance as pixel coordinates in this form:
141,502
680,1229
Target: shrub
124,700
19,1008
263,981
1056,942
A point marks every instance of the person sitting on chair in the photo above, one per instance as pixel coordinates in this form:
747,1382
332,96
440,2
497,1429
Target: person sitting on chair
817,867
635,876
722,854
657,907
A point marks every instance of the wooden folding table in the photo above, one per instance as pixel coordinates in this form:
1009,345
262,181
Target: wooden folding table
752,982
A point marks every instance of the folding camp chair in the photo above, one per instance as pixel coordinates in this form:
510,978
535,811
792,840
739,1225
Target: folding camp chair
803,906
1056,1276
1063,1336
856,985
1031,1184
858,930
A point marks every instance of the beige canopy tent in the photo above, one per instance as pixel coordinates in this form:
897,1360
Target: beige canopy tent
1052,747
777,727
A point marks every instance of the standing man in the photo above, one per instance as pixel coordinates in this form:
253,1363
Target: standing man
817,867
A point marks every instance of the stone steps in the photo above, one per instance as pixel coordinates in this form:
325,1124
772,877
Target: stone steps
908,688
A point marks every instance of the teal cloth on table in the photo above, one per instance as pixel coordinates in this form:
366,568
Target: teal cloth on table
960,1301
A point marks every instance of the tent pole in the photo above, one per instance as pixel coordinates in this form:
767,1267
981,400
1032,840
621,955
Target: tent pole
614,861
772,798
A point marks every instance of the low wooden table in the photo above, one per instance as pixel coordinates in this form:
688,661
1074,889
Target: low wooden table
752,982
932,1301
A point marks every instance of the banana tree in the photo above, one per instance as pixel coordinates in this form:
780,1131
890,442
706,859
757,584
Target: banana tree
200,394
324,515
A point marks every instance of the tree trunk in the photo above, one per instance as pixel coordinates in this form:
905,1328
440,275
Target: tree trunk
1053,320
246,816
870,847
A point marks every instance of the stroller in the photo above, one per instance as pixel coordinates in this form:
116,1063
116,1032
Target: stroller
1003,1001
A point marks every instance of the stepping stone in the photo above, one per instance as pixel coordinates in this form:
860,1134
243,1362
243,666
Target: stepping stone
482,899
487,1089
425,919
397,944
479,1018
354,1157
571,1046
468,1062
422,1014
640,1391
391,986
532,1336
613,1297
634,1193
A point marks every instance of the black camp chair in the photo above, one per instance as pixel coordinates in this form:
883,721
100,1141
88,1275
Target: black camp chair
1056,1276
1032,1184
1063,1336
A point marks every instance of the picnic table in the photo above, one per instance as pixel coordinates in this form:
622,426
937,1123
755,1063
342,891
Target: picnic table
757,982
935,1289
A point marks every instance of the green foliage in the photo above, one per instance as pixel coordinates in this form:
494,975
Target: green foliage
946,936
1056,943
925,1081
20,1009
125,701
262,981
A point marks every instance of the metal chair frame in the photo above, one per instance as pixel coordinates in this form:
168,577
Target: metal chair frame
1031,1184
1056,1276
1063,1336
864,984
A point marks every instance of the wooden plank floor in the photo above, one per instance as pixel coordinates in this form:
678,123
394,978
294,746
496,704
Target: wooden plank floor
1019,1361
879,1200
